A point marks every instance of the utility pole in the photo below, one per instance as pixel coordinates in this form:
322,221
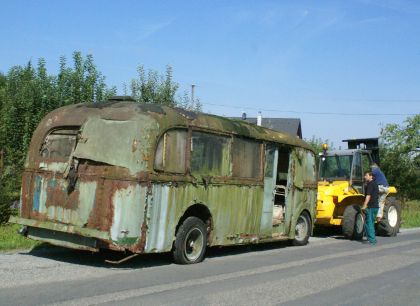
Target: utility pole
259,119
192,95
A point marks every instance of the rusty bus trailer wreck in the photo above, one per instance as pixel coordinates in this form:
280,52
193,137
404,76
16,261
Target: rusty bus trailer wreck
146,178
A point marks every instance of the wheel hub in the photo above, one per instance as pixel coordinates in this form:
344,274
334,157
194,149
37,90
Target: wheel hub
359,223
300,229
193,244
392,216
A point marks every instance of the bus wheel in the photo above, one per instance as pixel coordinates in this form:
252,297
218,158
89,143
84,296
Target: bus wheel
353,222
302,230
390,223
190,242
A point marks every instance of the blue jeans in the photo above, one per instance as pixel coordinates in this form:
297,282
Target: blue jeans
370,224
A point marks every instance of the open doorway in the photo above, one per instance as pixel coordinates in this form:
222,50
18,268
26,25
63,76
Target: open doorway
280,193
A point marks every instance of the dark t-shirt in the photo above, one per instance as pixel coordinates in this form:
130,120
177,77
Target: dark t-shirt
372,190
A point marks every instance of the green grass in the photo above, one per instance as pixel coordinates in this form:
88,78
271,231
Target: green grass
11,240
411,214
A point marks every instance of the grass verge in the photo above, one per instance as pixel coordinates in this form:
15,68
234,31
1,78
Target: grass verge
410,214
11,240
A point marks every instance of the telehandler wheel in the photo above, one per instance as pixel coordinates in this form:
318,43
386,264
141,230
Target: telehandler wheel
353,222
391,220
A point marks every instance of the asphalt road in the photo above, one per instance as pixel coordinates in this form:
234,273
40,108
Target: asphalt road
328,271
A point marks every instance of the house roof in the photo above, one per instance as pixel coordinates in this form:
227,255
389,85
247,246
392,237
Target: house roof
285,125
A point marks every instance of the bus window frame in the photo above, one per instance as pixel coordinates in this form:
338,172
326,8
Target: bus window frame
59,159
262,145
186,152
217,178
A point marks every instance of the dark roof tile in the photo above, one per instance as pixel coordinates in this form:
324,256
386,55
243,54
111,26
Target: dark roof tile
286,125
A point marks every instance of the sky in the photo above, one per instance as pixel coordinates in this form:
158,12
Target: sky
345,68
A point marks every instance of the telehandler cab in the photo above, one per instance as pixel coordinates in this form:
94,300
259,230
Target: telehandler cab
341,190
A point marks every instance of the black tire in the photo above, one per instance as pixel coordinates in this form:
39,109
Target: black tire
390,224
190,242
353,222
302,230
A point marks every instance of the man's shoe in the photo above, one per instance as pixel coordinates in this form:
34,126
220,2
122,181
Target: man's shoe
368,242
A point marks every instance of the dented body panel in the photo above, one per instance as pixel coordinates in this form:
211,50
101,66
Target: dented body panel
110,187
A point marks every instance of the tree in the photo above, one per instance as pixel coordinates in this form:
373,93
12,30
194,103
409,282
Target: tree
400,156
185,102
316,144
152,87
27,94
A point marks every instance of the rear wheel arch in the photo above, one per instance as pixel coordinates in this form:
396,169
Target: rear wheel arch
200,211
310,216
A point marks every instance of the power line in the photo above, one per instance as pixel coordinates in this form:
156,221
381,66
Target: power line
311,113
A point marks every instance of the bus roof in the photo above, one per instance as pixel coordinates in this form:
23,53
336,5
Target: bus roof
166,117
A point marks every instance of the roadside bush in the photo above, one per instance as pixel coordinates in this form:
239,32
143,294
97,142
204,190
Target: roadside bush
400,157
5,210
9,191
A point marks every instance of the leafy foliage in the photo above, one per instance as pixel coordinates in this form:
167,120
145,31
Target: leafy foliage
152,87
27,94
316,144
400,156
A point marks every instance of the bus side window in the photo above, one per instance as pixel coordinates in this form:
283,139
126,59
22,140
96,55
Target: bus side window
170,152
246,158
210,154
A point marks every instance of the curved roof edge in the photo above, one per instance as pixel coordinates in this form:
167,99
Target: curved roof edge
77,114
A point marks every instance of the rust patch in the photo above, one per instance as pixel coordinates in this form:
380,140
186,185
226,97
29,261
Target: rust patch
26,194
57,195
102,212
38,216
139,247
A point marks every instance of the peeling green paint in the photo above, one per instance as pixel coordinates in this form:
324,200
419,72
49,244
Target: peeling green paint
116,140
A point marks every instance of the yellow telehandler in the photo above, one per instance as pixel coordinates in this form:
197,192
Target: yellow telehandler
341,190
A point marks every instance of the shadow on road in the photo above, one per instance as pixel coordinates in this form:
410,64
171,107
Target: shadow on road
328,232
87,258
242,249
93,259
141,261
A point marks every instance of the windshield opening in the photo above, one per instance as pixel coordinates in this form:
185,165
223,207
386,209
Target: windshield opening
337,167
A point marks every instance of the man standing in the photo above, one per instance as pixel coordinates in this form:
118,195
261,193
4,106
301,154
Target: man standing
383,186
371,205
